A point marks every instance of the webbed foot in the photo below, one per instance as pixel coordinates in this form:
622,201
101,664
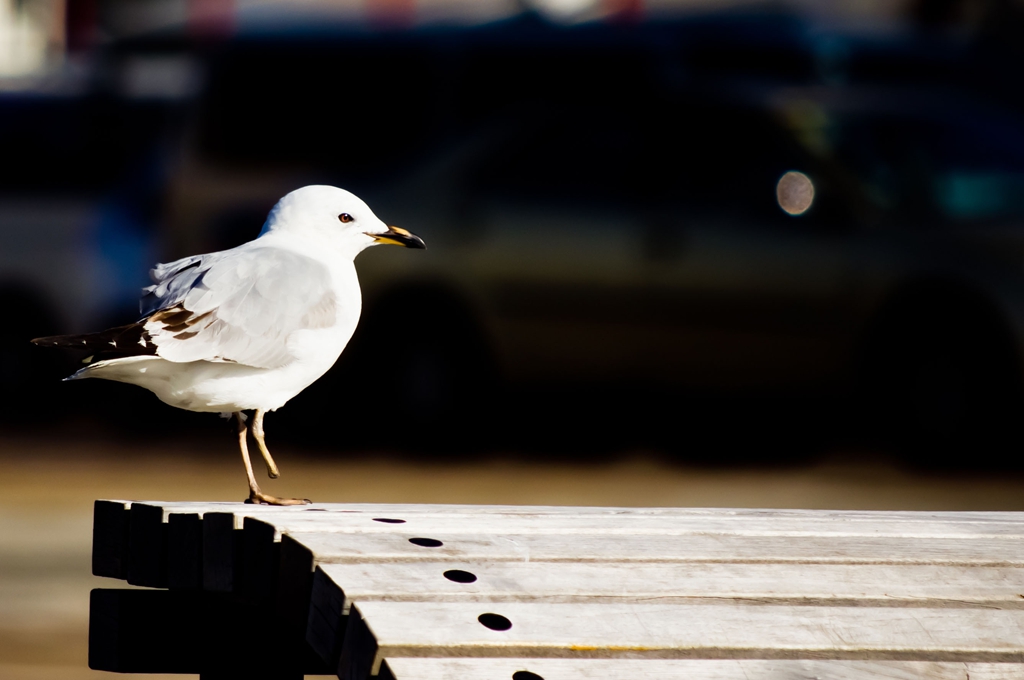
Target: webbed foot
260,498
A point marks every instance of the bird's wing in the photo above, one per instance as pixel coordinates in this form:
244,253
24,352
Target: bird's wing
172,280
239,305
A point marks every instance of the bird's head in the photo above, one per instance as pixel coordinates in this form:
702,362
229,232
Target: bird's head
335,218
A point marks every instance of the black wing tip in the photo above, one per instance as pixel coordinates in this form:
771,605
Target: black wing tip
72,341
113,343
50,341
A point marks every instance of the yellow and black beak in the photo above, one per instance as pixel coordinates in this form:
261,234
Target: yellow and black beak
399,237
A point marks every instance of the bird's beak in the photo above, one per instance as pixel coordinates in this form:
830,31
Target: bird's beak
399,237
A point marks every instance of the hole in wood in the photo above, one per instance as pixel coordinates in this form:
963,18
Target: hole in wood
526,675
388,520
426,542
459,576
494,621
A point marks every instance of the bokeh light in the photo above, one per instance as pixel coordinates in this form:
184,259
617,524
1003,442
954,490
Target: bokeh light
795,192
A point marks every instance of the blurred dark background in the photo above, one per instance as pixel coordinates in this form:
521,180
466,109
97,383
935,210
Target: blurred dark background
681,253
726,231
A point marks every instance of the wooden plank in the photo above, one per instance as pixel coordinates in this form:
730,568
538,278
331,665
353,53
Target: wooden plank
292,598
222,553
341,519
786,583
327,617
149,553
328,548
261,556
110,520
291,601
615,525
765,517
147,546
691,669
164,631
337,586
397,510
324,627
260,559
277,578
382,630
141,631
294,587
185,552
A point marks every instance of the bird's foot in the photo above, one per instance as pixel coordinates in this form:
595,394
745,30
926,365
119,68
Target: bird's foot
260,498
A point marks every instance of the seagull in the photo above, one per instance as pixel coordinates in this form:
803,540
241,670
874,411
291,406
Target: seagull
247,329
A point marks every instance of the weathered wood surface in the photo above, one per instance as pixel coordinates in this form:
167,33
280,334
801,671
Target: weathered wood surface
471,516
175,560
147,560
337,586
401,509
678,583
382,630
719,669
819,584
614,525
328,548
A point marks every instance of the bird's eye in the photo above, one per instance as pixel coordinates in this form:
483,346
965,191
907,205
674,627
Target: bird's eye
345,217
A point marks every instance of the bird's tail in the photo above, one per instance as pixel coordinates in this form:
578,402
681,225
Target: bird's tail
113,343
91,342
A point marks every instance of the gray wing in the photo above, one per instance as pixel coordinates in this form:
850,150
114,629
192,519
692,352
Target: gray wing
239,305
171,281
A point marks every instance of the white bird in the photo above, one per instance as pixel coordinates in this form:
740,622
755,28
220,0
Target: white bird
250,327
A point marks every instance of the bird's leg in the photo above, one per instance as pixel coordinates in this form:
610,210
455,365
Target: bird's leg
243,433
255,494
257,432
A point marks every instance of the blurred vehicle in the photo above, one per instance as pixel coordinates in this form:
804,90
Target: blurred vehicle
79,184
626,223
654,244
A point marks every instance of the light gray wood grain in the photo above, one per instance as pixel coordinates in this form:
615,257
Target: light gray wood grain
328,548
785,583
671,583
394,630
605,669
717,669
616,525
337,586
396,510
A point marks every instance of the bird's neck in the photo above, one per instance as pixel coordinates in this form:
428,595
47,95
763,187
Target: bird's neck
328,253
